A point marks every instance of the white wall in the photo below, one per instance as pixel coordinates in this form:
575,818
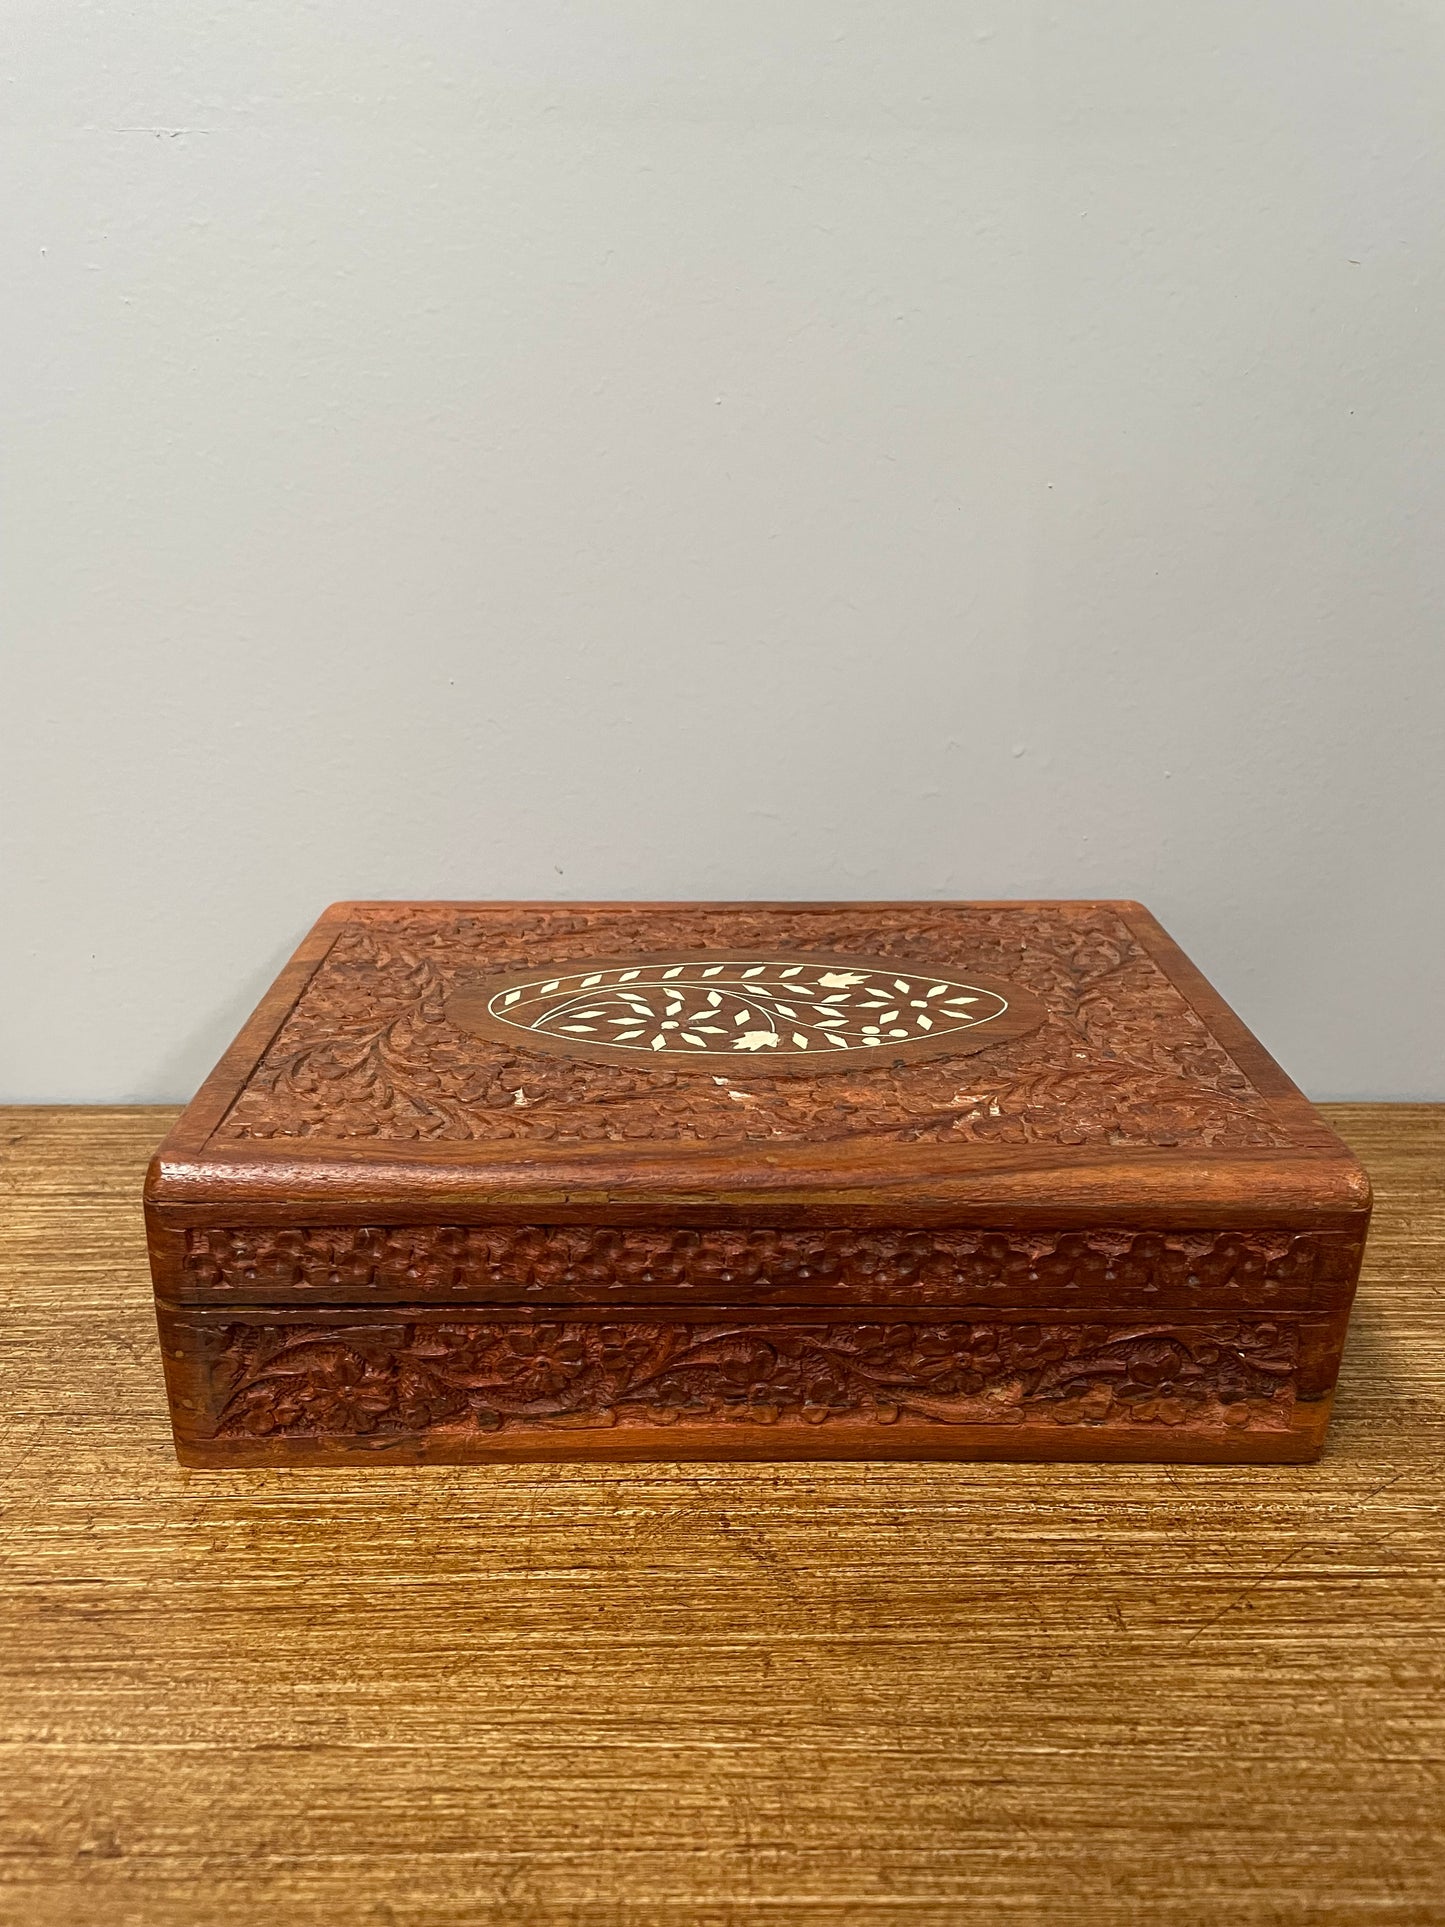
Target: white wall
493,447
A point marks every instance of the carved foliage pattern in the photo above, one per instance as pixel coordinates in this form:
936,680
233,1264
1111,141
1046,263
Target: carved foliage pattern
1122,1059
415,1378
494,1263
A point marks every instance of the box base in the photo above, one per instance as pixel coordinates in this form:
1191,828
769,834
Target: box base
1025,1442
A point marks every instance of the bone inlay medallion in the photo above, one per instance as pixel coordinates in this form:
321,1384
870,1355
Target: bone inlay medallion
790,1013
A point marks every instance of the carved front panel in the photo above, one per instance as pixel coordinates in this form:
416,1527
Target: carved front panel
499,1264
417,1378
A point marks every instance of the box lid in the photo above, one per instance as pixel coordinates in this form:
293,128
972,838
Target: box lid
749,1063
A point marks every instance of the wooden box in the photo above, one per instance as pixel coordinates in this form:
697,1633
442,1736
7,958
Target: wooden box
749,1180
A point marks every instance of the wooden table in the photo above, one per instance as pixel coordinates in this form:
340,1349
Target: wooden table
1186,1697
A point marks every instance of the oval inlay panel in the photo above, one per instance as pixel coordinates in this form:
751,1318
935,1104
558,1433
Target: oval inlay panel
796,1014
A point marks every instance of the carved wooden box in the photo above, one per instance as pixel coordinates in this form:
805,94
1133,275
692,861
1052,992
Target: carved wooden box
902,1180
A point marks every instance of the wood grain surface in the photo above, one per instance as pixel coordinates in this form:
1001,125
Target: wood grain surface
1141,1100
598,1694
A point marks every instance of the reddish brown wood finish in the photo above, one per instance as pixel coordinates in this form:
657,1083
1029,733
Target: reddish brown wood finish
1125,1234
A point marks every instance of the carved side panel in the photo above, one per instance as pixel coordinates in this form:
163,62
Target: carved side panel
418,1378
1209,1270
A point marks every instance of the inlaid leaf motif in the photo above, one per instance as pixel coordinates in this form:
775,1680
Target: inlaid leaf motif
709,1009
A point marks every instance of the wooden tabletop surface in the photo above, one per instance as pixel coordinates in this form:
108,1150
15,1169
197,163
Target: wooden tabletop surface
712,1694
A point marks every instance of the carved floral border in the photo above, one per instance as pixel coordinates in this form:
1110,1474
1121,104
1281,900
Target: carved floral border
410,1379
498,1263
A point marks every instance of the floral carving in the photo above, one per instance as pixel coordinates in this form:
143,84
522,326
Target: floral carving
588,1263
1121,1059
353,1380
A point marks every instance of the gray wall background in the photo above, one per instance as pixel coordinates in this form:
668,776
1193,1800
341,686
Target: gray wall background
500,448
